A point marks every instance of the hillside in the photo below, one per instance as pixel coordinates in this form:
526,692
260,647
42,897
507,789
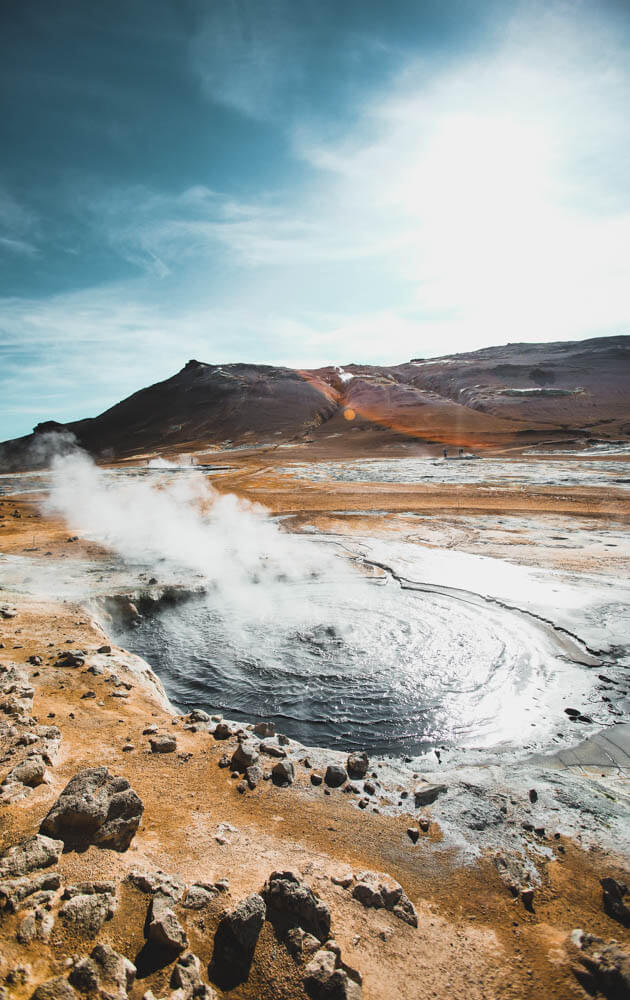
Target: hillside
496,397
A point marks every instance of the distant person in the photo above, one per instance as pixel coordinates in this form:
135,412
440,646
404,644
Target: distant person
445,453
461,452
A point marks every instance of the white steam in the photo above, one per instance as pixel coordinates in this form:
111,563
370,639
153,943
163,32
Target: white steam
184,525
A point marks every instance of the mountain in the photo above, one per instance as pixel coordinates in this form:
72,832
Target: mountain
496,397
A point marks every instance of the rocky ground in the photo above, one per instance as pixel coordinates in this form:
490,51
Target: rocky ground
149,853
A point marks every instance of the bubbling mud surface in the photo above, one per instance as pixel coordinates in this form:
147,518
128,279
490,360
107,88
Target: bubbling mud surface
483,471
388,669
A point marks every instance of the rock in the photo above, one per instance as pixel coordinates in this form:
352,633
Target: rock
36,926
35,660
30,772
357,765
15,891
86,913
198,715
369,788
96,808
104,649
533,795
272,749
316,779
283,773
382,891
253,775
345,881
245,922
424,824
527,897
335,775
105,971
186,974
326,978
244,756
603,968
37,852
199,896
157,881
150,730
290,900
614,906
426,793
163,744
68,658
163,927
54,989
222,731
265,729
413,833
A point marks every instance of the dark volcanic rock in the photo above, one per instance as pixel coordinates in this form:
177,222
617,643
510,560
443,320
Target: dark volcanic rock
614,905
357,765
96,808
291,903
335,775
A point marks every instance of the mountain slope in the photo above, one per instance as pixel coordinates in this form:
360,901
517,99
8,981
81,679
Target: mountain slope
518,393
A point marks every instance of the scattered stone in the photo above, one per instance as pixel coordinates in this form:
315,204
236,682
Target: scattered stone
104,649
157,881
30,772
316,779
87,912
326,976
186,976
527,897
272,749
163,927
253,776
69,658
199,896
35,660
14,891
335,775
603,968
287,897
265,729
54,989
163,744
413,833
382,891
533,795
357,765
245,922
36,926
283,773
37,852
96,808
614,906
150,730
345,881
222,731
426,793
224,761
424,824
244,756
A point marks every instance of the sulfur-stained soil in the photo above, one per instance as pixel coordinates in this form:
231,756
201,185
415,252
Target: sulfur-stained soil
474,938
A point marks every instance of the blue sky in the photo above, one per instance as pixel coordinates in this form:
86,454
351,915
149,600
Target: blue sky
301,182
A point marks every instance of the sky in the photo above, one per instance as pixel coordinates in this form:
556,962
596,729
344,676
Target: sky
302,182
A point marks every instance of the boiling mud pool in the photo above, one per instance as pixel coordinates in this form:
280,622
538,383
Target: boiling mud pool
487,471
384,668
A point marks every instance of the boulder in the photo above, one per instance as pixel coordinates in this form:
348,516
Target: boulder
86,912
603,967
426,793
253,775
265,729
272,749
382,891
30,772
244,756
163,744
105,971
15,891
245,922
35,926
54,989
335,775
357,765
37,852
613,893
292,903
96,808
283,773
163,927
